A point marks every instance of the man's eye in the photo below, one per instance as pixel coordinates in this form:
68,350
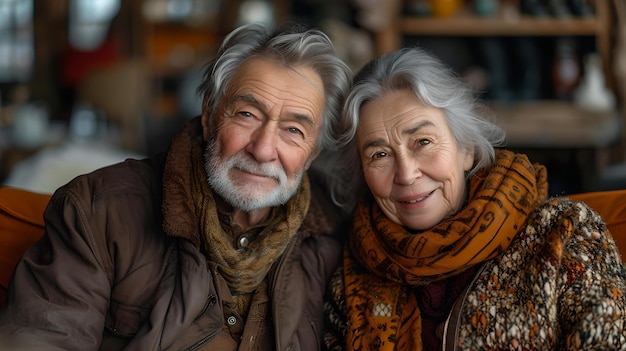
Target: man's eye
293,130
245,114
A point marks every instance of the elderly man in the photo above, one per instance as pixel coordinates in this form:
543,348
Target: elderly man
224,243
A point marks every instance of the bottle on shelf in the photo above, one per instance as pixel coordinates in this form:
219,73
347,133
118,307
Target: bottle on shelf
592,93
444,8
529,76
559,9
580,8
486,8
566,68
418,8
556,8
535,8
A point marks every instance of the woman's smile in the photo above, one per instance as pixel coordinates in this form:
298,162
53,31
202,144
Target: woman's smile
415,201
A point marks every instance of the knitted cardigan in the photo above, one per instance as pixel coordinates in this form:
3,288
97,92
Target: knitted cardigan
559,286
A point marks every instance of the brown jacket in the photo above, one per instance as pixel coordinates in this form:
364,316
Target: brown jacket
107,277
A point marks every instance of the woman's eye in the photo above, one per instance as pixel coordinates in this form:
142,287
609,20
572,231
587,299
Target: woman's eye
244,114
423,142
380,154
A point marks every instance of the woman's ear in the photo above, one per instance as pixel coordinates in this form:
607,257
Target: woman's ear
468,159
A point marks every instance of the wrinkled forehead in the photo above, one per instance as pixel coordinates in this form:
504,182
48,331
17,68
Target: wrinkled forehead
269,84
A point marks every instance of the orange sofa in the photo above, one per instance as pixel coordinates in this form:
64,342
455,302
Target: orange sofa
21,223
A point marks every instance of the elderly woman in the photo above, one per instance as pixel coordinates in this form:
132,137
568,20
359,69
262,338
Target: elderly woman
455,244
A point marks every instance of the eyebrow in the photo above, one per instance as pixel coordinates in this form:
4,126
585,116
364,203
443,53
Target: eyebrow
421,125
251,99
409,131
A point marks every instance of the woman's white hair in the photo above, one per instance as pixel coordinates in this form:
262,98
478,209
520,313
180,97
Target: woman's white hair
435,85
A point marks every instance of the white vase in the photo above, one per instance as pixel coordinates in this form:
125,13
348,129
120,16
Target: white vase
592,93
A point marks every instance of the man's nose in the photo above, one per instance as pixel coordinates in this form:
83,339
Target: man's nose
262,145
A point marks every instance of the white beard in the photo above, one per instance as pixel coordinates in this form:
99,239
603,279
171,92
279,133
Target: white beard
249,197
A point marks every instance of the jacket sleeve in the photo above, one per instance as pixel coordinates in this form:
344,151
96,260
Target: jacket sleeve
59,292
592,303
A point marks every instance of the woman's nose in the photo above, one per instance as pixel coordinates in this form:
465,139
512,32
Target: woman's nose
407,171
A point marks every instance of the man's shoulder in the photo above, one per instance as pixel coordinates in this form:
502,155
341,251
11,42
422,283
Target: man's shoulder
131,186
112,202
128,177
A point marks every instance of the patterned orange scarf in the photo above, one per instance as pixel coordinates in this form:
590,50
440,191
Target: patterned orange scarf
383,258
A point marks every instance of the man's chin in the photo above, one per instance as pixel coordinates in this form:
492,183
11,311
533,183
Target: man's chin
261,186
250,203
262,198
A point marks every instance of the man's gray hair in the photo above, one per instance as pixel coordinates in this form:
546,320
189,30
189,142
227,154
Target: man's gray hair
292,46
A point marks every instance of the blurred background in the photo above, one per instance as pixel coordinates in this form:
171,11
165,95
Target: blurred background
86,83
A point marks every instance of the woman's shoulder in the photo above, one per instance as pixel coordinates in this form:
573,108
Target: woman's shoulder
565,261
555,210
570,228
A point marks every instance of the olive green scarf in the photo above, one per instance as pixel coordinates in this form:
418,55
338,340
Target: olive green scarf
191,212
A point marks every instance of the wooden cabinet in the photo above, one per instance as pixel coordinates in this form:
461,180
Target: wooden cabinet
466,23
547,129
528,123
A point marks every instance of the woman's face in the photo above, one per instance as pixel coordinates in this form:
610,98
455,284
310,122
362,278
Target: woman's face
411,162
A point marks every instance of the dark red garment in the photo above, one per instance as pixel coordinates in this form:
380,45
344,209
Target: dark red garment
435,301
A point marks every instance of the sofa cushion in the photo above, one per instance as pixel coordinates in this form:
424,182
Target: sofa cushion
21,225
611,205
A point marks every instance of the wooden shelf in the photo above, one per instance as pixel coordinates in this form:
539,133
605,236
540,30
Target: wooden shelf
466,24
557,124
539,124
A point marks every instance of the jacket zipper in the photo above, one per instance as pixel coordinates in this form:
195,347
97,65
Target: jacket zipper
456,308
277,271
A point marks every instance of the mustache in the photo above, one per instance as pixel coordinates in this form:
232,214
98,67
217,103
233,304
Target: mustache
246,164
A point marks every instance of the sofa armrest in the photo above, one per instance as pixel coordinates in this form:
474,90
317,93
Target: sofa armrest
611,205
21,225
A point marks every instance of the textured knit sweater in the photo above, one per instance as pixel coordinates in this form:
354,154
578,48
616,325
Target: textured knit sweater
559,286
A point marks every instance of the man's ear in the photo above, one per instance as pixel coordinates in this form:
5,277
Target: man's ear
206,123
314,154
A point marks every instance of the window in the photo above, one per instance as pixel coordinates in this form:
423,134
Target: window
16,40
89,22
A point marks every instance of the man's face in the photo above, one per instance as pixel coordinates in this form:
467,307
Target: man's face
267,126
